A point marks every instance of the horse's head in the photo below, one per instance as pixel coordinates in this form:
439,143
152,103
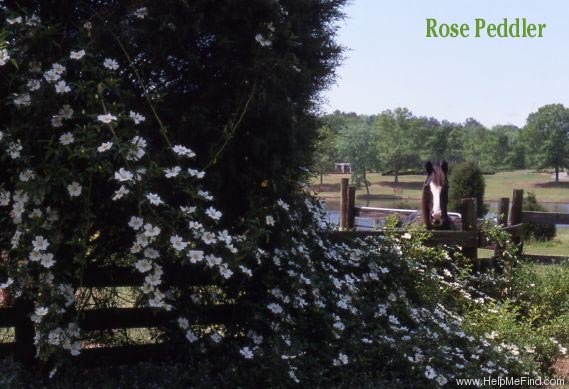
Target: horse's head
435,196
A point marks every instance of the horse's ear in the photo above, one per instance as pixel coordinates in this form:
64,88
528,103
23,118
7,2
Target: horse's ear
429,167
444,167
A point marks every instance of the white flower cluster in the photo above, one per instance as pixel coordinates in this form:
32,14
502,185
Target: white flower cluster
4,57
65,338
264,42
141,13
111,64
64,113
54,74
22,100
138,148
189,242
77,55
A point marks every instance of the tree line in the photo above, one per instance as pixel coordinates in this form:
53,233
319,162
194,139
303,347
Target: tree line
396,141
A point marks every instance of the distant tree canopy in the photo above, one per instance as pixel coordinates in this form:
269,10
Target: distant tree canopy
404,141
398,142
548,130
357,145
325,152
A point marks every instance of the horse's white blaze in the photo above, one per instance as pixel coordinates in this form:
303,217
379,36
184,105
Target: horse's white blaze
436,191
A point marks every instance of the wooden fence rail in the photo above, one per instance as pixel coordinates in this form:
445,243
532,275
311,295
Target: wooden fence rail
102,319
545,217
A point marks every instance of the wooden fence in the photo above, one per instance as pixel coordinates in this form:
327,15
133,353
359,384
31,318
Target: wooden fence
469,236
18,317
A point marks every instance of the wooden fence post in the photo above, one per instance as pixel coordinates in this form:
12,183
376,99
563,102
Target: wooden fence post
503,211
344,183
24,349
516,215
351,216
469,223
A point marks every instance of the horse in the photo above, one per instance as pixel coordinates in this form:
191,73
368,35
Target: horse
435,197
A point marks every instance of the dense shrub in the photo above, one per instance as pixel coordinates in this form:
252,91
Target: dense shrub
542,294
527,309
536,307
239,81
540,232
466,180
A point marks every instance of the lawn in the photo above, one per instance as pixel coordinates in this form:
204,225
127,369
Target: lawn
559,246
497,185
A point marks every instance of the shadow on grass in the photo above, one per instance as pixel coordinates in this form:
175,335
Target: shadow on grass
325,188
401,185
556,185
378,197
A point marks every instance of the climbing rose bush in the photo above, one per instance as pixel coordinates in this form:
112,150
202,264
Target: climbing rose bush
85,176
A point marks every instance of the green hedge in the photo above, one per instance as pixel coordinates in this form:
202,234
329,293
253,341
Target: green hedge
541,232
466,180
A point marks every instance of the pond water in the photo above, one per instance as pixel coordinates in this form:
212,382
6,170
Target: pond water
333,209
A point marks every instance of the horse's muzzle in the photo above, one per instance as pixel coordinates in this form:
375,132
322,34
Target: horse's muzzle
437,220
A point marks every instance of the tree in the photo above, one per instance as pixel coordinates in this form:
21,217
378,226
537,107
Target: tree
510,152
473,141
325,152
357,145
456,136
549,126
494,150
435,146
397,140
517,158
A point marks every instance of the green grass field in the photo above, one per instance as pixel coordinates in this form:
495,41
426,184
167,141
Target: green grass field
497,185
559,246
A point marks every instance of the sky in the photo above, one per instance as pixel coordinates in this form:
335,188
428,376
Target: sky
389,62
